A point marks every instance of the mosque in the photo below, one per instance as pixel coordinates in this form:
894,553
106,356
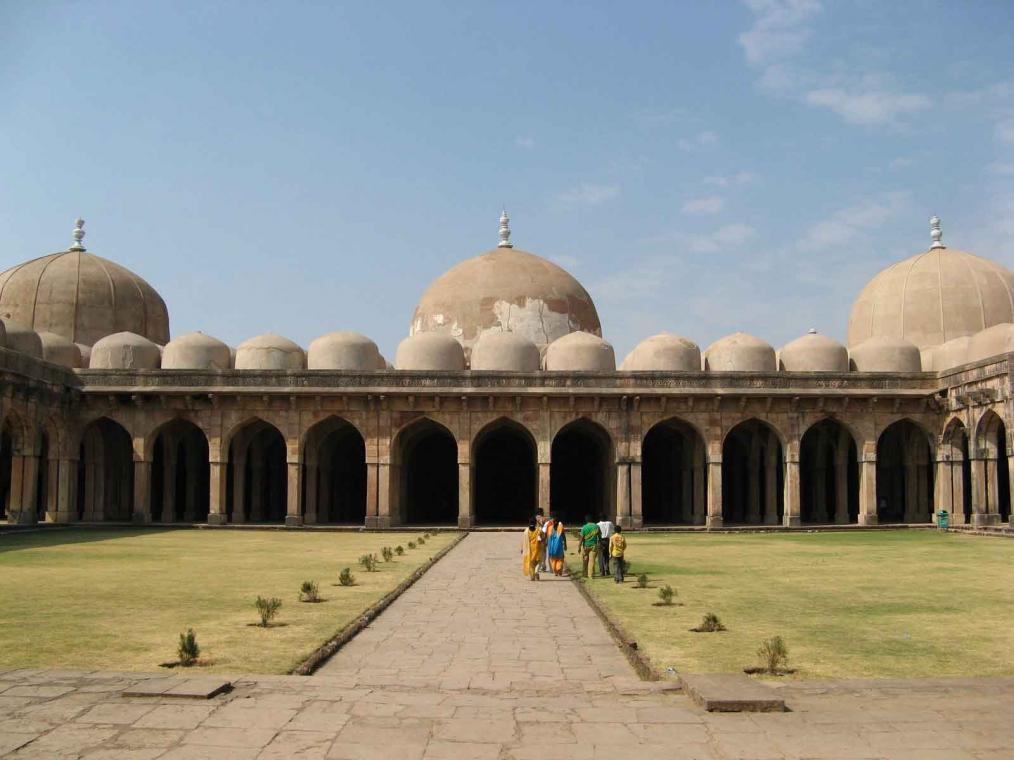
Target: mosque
505,397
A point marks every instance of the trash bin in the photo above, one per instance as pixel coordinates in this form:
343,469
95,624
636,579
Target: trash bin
943,519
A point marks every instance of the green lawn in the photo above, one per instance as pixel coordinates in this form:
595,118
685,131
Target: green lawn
118,599
848,604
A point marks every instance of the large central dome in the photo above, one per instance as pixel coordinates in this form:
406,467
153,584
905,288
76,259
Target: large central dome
506,290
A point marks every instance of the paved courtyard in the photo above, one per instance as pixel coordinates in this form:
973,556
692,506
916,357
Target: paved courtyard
474,661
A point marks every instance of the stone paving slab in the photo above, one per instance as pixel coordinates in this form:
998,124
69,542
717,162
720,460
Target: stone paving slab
730,692
471,692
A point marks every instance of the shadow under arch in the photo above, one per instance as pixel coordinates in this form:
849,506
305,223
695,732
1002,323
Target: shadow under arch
256,488
334,473
105,484
582,472
424,474
904,473
673,474
180,473
828,474
504,458
958,472
991,445
753,474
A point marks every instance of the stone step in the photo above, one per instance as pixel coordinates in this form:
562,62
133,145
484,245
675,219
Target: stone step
730,692
179,686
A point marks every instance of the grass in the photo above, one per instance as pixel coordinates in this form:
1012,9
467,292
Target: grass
848,604
118,599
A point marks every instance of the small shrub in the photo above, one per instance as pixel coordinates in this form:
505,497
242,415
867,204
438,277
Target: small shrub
399,550
666,593
642,580
188,650
422,540
267,608
411,544
346,578
773,654
710,624
388,553
309,592
369,562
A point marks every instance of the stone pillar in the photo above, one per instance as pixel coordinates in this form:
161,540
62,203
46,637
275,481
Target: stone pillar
980,510
841,483
466,517
700,503
623,513
239,514
790,518
66,491
311,507
956,488
753,489
27,513
818,494
544,486
293,491
714,518
990,464
193,484
325,491
95,486
386,501
636,496
16,506
217,472
372,493
771,485
142,492
169,465
943,492
1010,482
257,485
868,484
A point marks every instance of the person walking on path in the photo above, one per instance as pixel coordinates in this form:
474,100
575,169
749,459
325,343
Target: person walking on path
547,531
605,533
556,546
617,548
590,536
531,551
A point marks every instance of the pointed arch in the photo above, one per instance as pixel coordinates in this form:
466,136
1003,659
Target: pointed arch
180,473
424,474
829,473
257,478
904,473
957,470
505,481
334,473
582,472
753,474
991,446
673,474
105,472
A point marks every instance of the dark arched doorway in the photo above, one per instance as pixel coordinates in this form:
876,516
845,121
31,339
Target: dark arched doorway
258,478
829,475
504,456
580,473
753,472
334,474
993,447
105,472
904,474
958,472
673,475
426,471
180,474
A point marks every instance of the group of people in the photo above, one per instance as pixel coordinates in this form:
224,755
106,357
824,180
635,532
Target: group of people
545,544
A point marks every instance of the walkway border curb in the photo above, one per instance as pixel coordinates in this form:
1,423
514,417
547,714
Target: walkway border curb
626,643
346,634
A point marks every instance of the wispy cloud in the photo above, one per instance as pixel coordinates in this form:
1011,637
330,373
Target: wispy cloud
710,204
1005,132
1002,169
721,240
588,194
846,225
525,142
700,140
739,179
868,106
901,162
780,29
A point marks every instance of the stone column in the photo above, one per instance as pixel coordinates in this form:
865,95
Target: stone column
753,489
1010,482
52,488
700,503
293,490
943,492
16,505
791,517
239,514
771,485
636,496
257,485
714,518
217,472
980,510
544,486
466,518
192,486
956,488
142,492
372,494
66,491
818,493
623,514
841,483
990,464
27,513
169,465
385,474
868,484
310,509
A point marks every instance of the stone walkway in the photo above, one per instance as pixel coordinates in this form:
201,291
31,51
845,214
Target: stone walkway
476,662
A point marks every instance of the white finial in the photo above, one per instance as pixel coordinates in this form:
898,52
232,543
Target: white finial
812,331
505,231
935,233
78,235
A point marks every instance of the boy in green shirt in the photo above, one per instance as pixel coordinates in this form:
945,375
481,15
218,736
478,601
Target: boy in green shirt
590,535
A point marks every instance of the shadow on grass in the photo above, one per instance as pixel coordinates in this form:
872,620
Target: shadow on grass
52,537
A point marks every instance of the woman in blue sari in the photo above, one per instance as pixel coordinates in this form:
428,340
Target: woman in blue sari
556,546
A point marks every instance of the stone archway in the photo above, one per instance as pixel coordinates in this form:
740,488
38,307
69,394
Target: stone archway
258,476
504,456
991,442
105,472
180,473
673,475
904,474
425,473
334,474
829,475
753,475
581,473
958,472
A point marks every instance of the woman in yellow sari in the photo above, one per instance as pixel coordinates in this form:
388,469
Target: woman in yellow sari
531,551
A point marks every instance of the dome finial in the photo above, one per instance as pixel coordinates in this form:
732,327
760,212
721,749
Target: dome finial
935,233
78,235
505,231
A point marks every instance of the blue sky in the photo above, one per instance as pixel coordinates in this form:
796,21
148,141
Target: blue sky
700,167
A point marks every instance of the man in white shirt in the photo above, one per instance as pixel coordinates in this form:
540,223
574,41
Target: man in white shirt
606,531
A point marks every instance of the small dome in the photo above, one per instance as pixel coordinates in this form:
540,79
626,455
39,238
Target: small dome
739,352
196,351
953,353
430,351
344,350
505,352
580,352
813,353
56,349
125,350
886,355
993,341
22,339
664,352
269,351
